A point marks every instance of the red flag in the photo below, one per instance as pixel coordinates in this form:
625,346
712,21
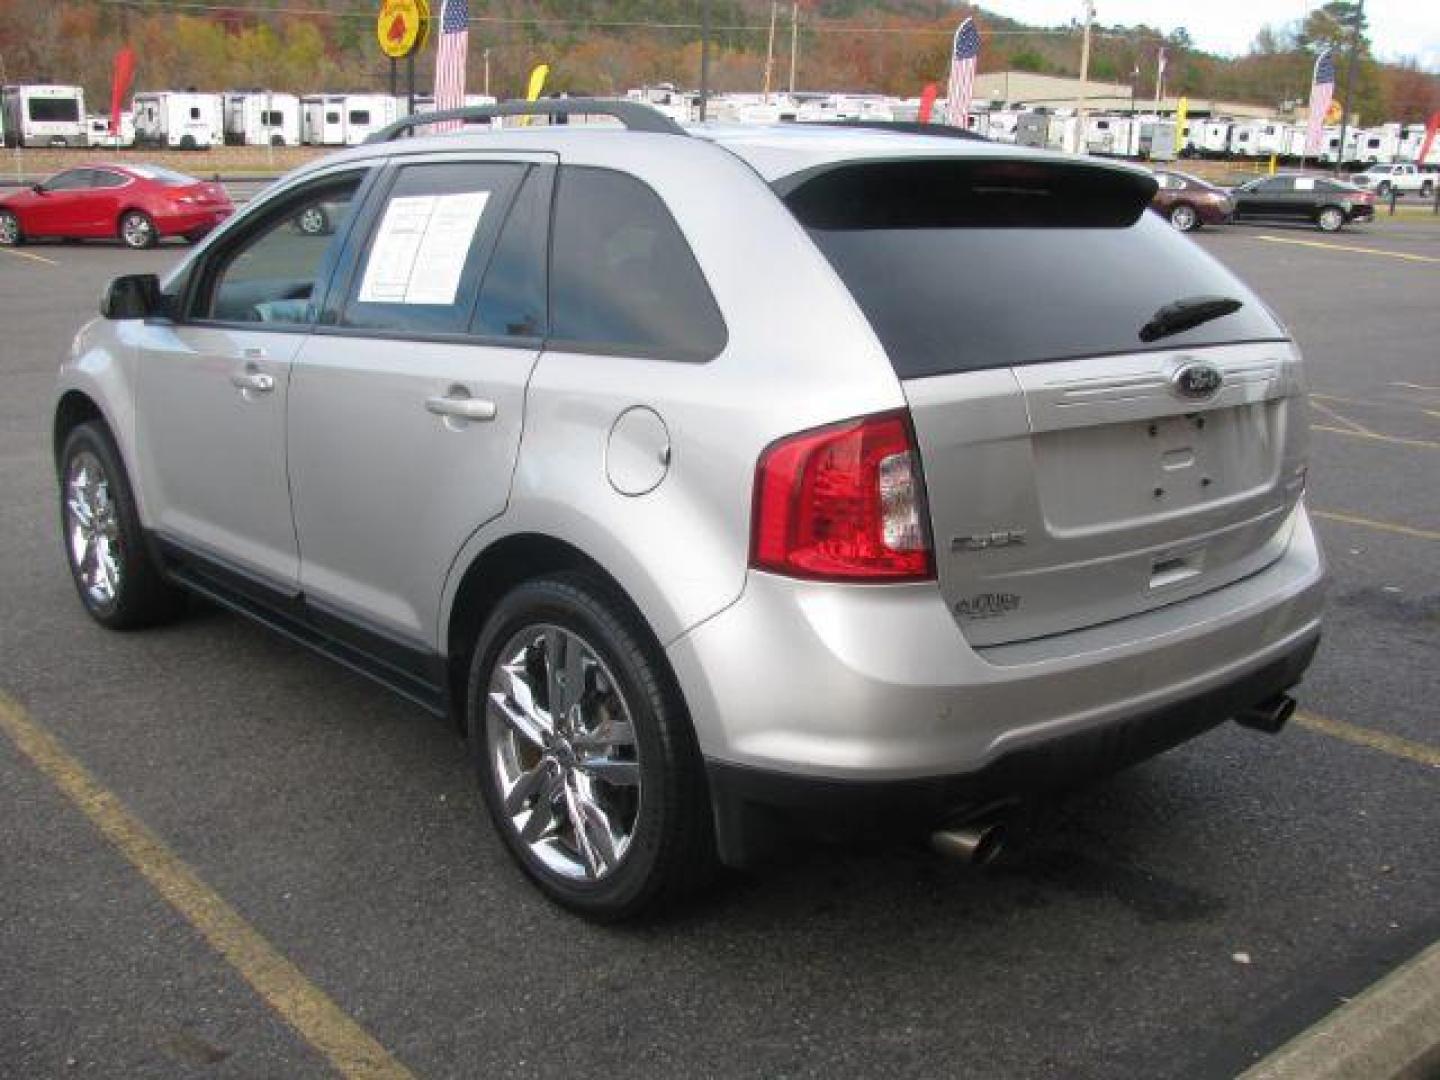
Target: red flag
124,71
927,101
1430,129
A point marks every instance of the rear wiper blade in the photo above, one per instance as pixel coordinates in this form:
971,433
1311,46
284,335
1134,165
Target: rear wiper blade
1186,314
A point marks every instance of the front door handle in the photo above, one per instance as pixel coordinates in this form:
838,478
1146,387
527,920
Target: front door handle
258,381
462,408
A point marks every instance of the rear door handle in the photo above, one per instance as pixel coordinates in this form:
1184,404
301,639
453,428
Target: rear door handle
463,408
258,381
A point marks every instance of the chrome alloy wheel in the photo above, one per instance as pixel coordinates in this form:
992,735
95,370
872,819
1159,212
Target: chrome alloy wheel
9,229
137,231
1183,217
312,221
92,529
563,752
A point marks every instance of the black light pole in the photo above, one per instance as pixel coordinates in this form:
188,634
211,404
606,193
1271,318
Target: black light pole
1347,99
704,57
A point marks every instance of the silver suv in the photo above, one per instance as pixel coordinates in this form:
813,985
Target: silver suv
716,480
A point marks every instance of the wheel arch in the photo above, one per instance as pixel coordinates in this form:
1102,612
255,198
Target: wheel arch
74,408
505,563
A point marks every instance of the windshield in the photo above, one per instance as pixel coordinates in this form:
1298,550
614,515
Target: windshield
961,265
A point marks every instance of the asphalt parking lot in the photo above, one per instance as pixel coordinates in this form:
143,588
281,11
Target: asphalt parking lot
1182,919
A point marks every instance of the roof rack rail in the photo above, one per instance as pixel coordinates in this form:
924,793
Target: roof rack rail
908,127
634,115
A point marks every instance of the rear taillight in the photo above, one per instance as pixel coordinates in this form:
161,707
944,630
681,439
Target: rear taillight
843,503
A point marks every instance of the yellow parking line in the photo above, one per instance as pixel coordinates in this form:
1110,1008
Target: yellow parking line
29,255
1351,424
1347,247
1424,444
299,1002
1371,523
1374,740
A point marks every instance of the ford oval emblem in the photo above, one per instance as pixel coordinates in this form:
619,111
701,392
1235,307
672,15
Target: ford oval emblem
1197,381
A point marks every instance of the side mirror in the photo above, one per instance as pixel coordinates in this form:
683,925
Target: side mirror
133,296
39,189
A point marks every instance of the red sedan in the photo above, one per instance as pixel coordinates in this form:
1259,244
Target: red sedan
138,204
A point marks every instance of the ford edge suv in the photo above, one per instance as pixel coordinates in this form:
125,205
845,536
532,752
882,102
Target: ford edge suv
717,480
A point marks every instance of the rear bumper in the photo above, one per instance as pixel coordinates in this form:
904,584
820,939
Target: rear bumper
878,682
753,807
192,221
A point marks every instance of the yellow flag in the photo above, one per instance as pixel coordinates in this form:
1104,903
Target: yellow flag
538,75
1182,109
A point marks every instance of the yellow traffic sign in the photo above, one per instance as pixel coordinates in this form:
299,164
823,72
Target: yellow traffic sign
402,27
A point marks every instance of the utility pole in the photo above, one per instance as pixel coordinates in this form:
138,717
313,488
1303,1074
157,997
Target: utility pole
704,57
770,48
1084,75
1347,99
794,39
487,72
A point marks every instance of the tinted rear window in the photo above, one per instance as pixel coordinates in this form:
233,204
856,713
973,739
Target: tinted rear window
962,265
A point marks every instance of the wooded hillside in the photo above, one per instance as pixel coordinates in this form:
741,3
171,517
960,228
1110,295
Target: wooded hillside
607,46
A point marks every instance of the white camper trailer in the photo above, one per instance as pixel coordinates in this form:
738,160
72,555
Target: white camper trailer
260,118
322,119
98,133
1378,146
44,115
178,119
366,114
1210,138
1259,139
1412,141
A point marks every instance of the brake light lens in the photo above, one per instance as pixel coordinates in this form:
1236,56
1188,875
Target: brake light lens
843,503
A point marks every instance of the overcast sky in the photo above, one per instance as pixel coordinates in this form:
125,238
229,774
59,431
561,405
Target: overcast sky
1397,27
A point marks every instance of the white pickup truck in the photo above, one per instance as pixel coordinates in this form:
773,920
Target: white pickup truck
1402,179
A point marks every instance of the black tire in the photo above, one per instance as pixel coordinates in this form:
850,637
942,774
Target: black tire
313,221
137,231
1382,189
1427,189
142,596
187,142
671,848
11,235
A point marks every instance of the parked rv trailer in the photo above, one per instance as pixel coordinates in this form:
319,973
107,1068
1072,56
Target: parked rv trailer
1378,146
98,133
1032,129
322,119
43,115
1259,139
261,118
178,119
366,114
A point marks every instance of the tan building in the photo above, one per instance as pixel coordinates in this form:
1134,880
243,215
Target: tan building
1020,88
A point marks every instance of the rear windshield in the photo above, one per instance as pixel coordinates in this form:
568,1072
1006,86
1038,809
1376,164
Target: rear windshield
962,265
168,177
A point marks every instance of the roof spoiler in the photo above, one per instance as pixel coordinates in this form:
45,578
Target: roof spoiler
634,115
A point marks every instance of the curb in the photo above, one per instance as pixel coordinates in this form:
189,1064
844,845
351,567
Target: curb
1390,1032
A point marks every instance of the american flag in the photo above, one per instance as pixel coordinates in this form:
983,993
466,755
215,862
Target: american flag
1322,89
450,60
962,74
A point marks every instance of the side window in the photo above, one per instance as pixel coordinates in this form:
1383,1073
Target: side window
332,118
1278,185
359,116
512,296
70,180
420,269
273,272
623,279
104,178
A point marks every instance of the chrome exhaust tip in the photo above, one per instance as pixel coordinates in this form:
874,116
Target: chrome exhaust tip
976,843
1269,716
